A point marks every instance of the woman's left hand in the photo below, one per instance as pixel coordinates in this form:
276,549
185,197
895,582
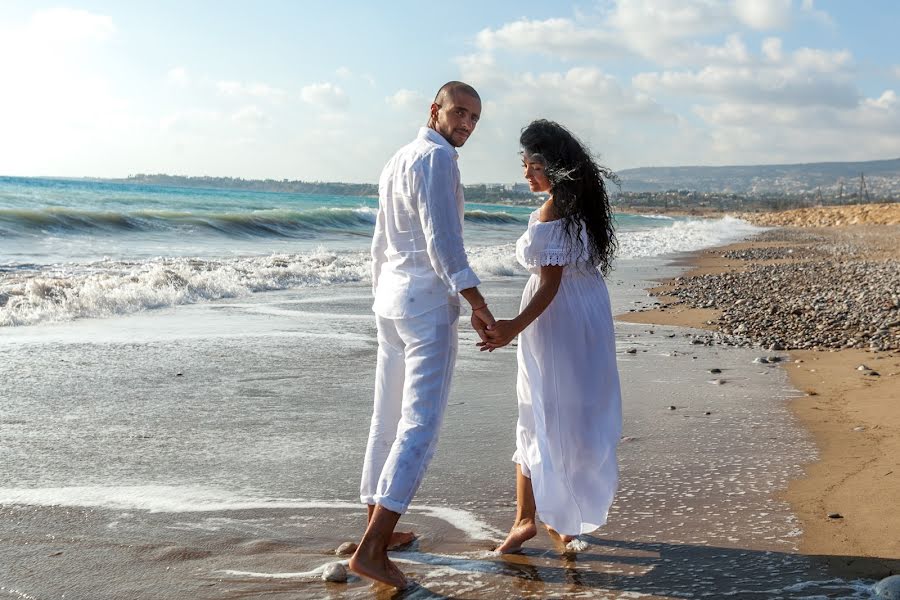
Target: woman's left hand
501,334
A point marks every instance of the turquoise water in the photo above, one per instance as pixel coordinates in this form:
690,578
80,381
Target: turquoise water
74,248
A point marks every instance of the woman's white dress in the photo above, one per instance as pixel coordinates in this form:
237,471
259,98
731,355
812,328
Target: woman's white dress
570,409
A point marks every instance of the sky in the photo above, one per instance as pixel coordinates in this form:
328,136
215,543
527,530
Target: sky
327,91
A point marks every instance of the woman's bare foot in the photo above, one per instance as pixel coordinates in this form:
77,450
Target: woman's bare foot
563,539
522,531
400,539
378,567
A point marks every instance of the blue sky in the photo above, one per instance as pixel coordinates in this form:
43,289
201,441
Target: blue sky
327,91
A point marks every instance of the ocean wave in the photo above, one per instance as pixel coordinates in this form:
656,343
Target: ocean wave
108,288
116,288
491,217
684,236
279,222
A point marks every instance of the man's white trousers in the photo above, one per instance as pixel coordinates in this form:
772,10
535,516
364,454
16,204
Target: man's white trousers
415,364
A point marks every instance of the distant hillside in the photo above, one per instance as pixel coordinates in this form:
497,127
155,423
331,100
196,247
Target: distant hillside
882,178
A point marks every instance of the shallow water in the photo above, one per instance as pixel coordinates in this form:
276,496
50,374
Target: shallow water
213,450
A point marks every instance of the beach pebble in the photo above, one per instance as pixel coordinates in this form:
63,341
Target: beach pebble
863,368
335,572
707,413
888,588
835,516
672,407
761,360
631,351
346,548
717,381
715,371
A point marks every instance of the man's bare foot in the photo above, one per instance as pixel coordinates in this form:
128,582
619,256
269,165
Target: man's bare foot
400,539
379,568
522,531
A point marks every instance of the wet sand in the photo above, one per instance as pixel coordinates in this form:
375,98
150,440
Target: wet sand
851,412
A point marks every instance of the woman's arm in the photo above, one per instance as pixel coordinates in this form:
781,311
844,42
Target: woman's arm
503,332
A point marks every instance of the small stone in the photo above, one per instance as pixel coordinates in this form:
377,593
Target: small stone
872,373
863,368
714,371
887,589
179,374
761,360
717,381
835,516
334,572
346,549
631,351
707,413
672,407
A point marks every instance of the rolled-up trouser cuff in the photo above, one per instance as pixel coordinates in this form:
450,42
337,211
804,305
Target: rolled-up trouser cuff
391,505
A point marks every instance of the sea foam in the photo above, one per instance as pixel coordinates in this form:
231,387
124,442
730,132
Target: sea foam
193,499
683,236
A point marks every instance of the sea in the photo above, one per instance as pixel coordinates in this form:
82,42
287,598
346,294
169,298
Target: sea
185,388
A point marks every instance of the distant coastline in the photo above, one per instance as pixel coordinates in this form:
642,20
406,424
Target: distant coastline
488,194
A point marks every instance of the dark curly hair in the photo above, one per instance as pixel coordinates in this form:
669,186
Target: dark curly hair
577,185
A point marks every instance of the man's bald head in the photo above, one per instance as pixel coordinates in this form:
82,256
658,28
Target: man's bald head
450,89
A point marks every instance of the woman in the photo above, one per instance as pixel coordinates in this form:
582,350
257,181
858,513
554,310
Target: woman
568,386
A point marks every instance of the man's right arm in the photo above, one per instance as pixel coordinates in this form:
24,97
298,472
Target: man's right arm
441,224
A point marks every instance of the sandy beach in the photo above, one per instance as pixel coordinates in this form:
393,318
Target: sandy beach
842,356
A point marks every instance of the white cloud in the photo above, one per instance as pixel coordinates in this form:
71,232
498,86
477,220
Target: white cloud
343,72
557,37
742,133
896,71
808,9
887,100
805,77
669,18
250,115
256,90
408,99
763,14
772,49
178,76
326,96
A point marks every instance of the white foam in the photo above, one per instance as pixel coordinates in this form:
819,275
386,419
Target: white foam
192,499
114,288
495,260
314,575
684,236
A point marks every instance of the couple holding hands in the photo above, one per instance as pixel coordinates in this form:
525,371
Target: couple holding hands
569,402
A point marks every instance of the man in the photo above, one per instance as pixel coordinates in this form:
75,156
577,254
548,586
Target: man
419,270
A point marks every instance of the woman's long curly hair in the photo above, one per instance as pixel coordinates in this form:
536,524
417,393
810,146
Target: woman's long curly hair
577,185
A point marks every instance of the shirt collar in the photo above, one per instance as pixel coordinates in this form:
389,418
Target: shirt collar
427,133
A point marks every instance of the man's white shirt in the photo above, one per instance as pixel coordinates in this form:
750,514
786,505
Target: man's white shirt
418,259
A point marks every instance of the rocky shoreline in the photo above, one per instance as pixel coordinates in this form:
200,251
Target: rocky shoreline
802,289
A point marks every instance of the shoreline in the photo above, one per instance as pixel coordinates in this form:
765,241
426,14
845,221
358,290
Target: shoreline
850,412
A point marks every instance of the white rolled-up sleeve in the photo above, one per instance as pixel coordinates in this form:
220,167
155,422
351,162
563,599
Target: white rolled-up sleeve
439,212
